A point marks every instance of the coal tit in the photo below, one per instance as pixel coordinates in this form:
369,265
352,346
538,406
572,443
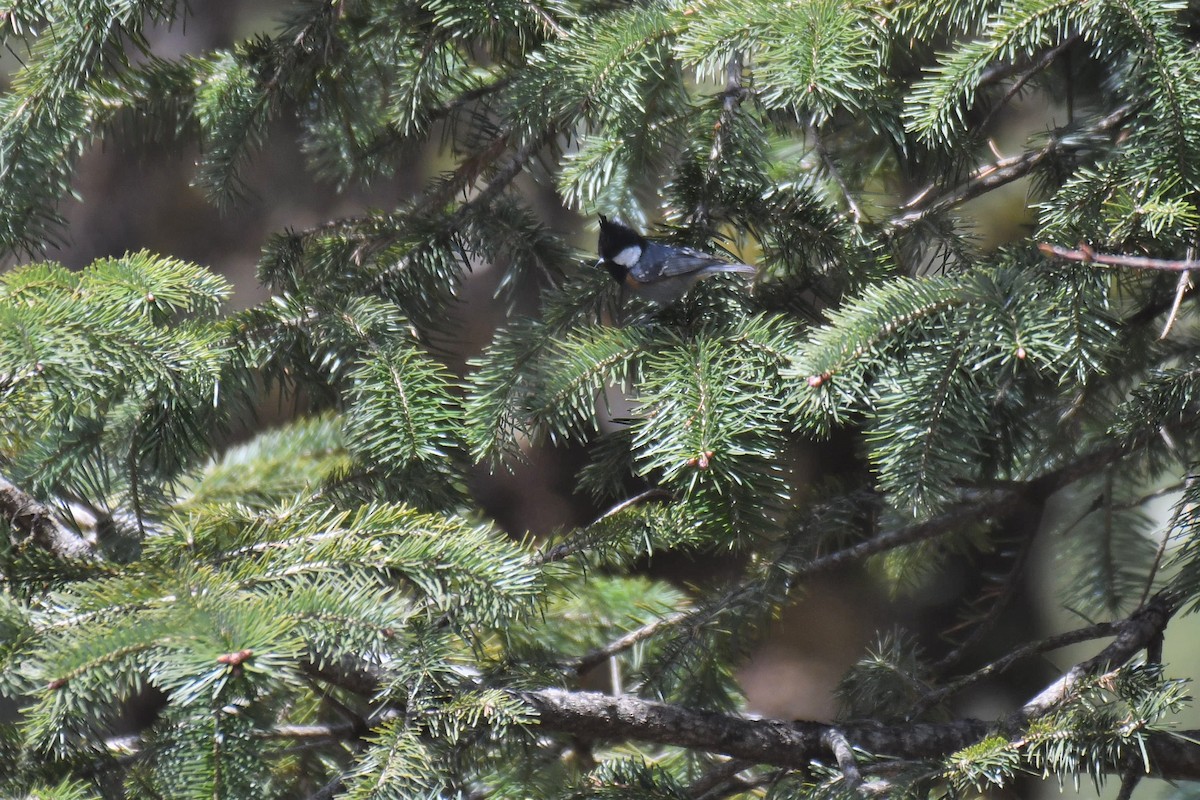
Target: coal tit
659,272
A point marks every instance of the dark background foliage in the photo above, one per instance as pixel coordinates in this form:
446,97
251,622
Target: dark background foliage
906,364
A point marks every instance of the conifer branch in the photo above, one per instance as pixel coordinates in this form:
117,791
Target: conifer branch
329,574
547,19
1007,592
731,101
795,744
843,753
1182,287
978,507
40,526
463,177
622,643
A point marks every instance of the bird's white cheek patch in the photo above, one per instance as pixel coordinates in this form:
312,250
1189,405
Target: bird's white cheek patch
629,256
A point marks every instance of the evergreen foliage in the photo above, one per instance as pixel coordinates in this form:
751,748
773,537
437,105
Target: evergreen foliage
323,609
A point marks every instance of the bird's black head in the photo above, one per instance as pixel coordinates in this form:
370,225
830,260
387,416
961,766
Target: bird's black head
620,247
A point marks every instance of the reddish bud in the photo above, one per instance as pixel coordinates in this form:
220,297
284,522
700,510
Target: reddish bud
235,659
815,380
56,684
1021,354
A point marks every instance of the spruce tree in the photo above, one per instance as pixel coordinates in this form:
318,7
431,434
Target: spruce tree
324,610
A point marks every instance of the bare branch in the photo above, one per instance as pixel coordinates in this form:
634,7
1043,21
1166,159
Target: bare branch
1183,286
623,643
1087,255
840,746
1008,591
977,506
721,776
831,167
573,545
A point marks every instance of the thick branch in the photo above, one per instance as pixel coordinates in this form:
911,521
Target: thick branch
39,524
793,744
1100,630
762,741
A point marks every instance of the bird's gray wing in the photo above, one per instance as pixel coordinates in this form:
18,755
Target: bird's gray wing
674,261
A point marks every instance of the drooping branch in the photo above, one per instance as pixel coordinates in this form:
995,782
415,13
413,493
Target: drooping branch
1100,630
1039,65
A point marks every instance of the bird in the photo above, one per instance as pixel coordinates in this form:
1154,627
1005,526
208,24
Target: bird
659,272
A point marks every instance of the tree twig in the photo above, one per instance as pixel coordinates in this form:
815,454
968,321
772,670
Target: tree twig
981,506
1181,289
623,643
1008,592
843,752
707,784
1134,633
795,744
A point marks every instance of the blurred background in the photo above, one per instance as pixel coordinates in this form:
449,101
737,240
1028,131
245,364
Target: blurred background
132,197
